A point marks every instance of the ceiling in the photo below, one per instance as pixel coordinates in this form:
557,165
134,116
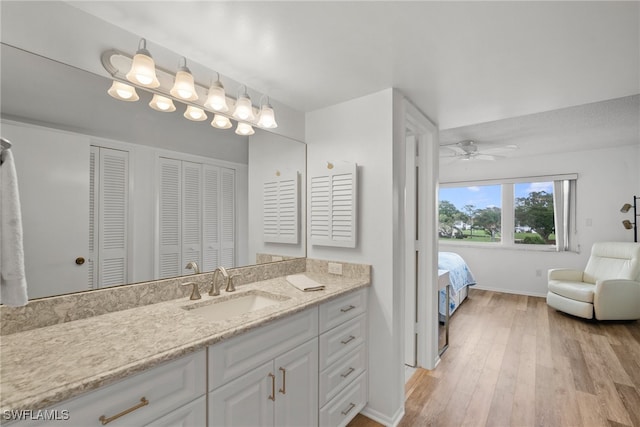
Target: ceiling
461,63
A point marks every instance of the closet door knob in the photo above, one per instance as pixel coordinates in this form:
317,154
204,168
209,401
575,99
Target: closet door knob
80,260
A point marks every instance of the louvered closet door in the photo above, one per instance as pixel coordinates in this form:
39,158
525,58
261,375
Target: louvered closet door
211,218
191,214
94,190
228,233
170,218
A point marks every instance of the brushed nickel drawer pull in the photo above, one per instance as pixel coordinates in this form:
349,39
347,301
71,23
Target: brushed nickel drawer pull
345,309
273,387
106,420
349,372
351,406
283,390
348,340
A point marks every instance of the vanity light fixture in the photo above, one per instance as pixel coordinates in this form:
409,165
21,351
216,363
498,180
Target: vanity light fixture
221,122
244,129
195,114
184,86
243,109
167,88
143,69
162,103
216,98
123,92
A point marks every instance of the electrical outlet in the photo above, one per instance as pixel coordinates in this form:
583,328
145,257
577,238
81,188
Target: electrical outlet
335,268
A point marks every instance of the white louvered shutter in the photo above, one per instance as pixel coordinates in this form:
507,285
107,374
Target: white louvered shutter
280,210
333,207
191,214
93,218
170,217
210,218
227,233
114,190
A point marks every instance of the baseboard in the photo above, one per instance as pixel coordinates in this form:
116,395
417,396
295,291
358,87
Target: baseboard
510,291
382,419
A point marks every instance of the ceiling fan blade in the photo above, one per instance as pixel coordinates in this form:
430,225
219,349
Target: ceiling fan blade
498,149
485,157
450,152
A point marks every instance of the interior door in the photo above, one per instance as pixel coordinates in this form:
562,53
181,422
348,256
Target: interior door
411,252
58,193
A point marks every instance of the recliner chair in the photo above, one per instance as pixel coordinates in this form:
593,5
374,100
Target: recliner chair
607,289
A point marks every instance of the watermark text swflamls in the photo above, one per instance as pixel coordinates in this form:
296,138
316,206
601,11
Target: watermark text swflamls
39,415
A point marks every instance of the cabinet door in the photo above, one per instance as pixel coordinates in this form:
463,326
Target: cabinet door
246,401
192,414
297,395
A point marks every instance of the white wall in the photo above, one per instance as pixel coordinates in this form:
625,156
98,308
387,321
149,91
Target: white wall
269,153
607,179
361,131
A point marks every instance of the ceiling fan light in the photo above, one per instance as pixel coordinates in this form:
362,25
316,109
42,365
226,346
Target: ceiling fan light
143,69
123,92
244,129
243,109
162,104
195,114
221,122
217,98
267,117
183,85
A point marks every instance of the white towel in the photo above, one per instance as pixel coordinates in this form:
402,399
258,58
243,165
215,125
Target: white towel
13,283
304,283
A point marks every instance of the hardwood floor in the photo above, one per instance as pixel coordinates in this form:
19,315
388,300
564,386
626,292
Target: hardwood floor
513,361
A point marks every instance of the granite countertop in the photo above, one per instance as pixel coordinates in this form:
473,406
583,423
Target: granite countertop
44,366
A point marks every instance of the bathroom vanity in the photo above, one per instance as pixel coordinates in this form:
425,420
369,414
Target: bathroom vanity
301,359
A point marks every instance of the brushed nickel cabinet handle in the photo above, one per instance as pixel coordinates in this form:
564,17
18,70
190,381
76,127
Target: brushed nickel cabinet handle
346,411
283,390
273,387
106,420
349,372
345,309
348,340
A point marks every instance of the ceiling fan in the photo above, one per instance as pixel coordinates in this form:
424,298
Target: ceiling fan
470,150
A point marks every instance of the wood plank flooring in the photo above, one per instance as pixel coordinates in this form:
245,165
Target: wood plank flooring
513,361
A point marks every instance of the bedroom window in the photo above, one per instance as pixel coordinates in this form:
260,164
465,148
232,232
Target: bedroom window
527,213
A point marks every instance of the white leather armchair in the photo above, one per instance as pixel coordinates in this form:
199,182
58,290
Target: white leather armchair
607,289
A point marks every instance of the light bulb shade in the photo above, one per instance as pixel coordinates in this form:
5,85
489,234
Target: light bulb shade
244,129
123,92
627,224
143,70
162,103
183,86
194,113
244,109
625,208
267,117
221,122
217,99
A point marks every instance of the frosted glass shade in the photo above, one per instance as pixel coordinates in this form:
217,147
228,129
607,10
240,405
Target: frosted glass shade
244,129
217,99
162,103
123,92
183,86
267,117
143,71
221,122
244,109
194,113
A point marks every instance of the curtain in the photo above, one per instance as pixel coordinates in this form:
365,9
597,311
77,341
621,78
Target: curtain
564,205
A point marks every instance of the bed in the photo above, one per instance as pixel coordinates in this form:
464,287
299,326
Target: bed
460,278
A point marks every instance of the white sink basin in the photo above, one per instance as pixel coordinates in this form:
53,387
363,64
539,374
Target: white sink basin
234,305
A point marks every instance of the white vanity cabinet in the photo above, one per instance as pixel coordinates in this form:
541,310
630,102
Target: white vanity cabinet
169,394
268,376
343,358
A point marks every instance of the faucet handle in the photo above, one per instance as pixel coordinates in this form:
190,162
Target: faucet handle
195,293
230,286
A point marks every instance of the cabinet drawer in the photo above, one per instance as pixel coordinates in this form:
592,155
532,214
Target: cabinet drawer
192,414
340,310
231,358
345,405
341,340
165,388
342,372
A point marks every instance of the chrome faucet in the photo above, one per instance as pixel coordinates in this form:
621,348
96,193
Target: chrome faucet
192,265
215,290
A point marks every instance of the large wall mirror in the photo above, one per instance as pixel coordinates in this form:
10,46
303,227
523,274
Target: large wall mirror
62,122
